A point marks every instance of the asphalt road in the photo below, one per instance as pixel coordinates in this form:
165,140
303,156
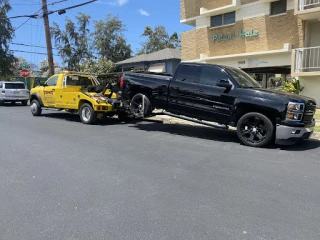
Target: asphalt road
60,179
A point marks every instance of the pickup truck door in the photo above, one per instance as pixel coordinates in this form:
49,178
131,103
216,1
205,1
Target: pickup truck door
213,102
182,89
49,91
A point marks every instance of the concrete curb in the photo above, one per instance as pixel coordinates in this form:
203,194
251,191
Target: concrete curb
171,120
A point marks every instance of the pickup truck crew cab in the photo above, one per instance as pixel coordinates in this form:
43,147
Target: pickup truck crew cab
76,93
226,96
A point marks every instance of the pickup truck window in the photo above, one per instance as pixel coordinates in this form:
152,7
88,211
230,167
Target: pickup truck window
53,81
243,79
210,75
189,73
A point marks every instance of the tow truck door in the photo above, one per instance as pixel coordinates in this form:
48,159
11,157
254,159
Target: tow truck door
49,91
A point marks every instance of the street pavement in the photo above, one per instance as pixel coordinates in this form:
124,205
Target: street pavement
60,179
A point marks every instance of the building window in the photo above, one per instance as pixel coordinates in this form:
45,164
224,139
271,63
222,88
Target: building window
278,7
223,19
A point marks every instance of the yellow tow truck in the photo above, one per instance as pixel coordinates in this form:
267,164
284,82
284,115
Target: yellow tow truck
78,93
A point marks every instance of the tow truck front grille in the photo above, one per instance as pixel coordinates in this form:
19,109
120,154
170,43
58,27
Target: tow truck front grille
309,112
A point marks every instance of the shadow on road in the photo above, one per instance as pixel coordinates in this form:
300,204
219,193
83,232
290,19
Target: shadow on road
208,133
301,146
109,121
191,131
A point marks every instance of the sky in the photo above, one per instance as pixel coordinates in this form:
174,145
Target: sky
135,14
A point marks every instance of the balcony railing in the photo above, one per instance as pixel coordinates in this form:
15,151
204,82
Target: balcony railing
307,59
308,4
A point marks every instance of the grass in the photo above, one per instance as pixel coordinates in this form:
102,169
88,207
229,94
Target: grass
316,129
317,115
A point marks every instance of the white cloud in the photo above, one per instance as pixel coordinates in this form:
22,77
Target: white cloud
114,3
143,12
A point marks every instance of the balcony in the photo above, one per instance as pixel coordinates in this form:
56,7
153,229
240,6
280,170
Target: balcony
306,62
308,9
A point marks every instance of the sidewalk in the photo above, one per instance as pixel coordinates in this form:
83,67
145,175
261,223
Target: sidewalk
171,120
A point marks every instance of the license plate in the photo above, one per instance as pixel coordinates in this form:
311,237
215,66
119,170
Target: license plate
15,92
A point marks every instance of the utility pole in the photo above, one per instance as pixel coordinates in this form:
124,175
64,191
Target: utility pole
48,37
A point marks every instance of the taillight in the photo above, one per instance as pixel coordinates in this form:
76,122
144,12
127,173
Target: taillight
121,82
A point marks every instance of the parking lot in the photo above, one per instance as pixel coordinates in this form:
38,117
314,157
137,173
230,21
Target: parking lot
61,179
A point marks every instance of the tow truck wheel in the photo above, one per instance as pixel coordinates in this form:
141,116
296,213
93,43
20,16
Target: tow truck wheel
255,130
35,108
87,114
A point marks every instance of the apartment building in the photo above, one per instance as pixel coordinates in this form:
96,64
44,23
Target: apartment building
263,37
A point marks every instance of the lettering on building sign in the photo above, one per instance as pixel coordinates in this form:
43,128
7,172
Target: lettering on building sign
242,34
221,37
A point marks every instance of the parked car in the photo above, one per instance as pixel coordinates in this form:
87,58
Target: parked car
14,92
77,93
219,96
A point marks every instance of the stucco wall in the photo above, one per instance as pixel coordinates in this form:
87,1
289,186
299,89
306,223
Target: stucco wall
311,87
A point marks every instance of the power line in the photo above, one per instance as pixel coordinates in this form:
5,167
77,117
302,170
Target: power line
30,45
33,52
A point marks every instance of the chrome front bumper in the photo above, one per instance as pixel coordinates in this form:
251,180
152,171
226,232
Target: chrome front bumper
286,135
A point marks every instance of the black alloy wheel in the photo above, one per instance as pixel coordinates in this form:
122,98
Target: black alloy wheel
137,106
255,129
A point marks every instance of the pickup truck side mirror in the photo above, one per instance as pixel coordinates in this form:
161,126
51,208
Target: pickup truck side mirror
224,83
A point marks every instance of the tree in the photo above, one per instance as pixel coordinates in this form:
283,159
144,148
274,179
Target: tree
109,40
7,33
101,66
158,39
74,42
22,63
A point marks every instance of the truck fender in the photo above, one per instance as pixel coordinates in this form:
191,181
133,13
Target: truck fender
37,97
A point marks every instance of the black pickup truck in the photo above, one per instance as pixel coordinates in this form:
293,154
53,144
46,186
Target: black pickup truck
222,96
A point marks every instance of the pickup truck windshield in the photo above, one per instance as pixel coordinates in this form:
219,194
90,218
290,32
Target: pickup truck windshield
244,80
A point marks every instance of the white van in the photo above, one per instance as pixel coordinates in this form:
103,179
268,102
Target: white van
14,92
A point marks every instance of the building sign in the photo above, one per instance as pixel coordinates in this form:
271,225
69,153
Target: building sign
242,34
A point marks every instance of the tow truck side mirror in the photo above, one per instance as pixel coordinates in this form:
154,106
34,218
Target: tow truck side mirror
224,83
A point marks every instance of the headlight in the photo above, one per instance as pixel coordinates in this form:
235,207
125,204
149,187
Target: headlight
295,111
295,106
294,116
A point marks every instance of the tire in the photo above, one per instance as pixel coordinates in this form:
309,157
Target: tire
1,103
87,114
136,106
35,108
255,130
24,103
